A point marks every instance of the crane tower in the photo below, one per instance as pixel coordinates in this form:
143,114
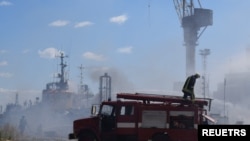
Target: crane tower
192,20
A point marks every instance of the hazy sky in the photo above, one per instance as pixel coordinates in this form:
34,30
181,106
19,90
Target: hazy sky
140,40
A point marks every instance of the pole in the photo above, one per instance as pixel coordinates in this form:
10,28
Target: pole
224,99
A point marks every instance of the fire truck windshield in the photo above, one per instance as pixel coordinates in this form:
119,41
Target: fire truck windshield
107,110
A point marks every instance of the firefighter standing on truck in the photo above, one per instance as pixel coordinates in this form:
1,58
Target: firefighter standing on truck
188,88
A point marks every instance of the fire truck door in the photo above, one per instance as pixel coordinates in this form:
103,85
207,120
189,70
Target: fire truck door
108,118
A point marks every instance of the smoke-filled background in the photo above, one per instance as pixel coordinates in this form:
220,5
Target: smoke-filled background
139,44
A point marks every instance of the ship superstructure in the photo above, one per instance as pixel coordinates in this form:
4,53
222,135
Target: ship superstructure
57,94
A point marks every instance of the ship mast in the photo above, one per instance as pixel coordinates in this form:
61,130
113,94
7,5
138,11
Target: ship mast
63,84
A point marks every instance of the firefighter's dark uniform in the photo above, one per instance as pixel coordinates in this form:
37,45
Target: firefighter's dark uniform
188,88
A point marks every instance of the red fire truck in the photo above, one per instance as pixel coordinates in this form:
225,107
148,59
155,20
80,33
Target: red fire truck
143,117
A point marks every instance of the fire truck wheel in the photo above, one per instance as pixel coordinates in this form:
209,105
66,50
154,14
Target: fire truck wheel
87,137
160,137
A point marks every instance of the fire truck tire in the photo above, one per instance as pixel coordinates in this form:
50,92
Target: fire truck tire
160,137
87,136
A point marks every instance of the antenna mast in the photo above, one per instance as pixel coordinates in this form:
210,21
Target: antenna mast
204,53
63,83
81,74
81,87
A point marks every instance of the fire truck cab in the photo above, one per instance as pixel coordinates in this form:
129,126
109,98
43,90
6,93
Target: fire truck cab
143,117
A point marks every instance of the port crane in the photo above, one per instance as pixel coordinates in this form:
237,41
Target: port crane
192,20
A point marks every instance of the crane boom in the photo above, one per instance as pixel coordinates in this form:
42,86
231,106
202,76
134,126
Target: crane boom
183,8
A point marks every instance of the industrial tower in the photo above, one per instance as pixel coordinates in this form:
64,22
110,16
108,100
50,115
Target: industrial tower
192,20
105,87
